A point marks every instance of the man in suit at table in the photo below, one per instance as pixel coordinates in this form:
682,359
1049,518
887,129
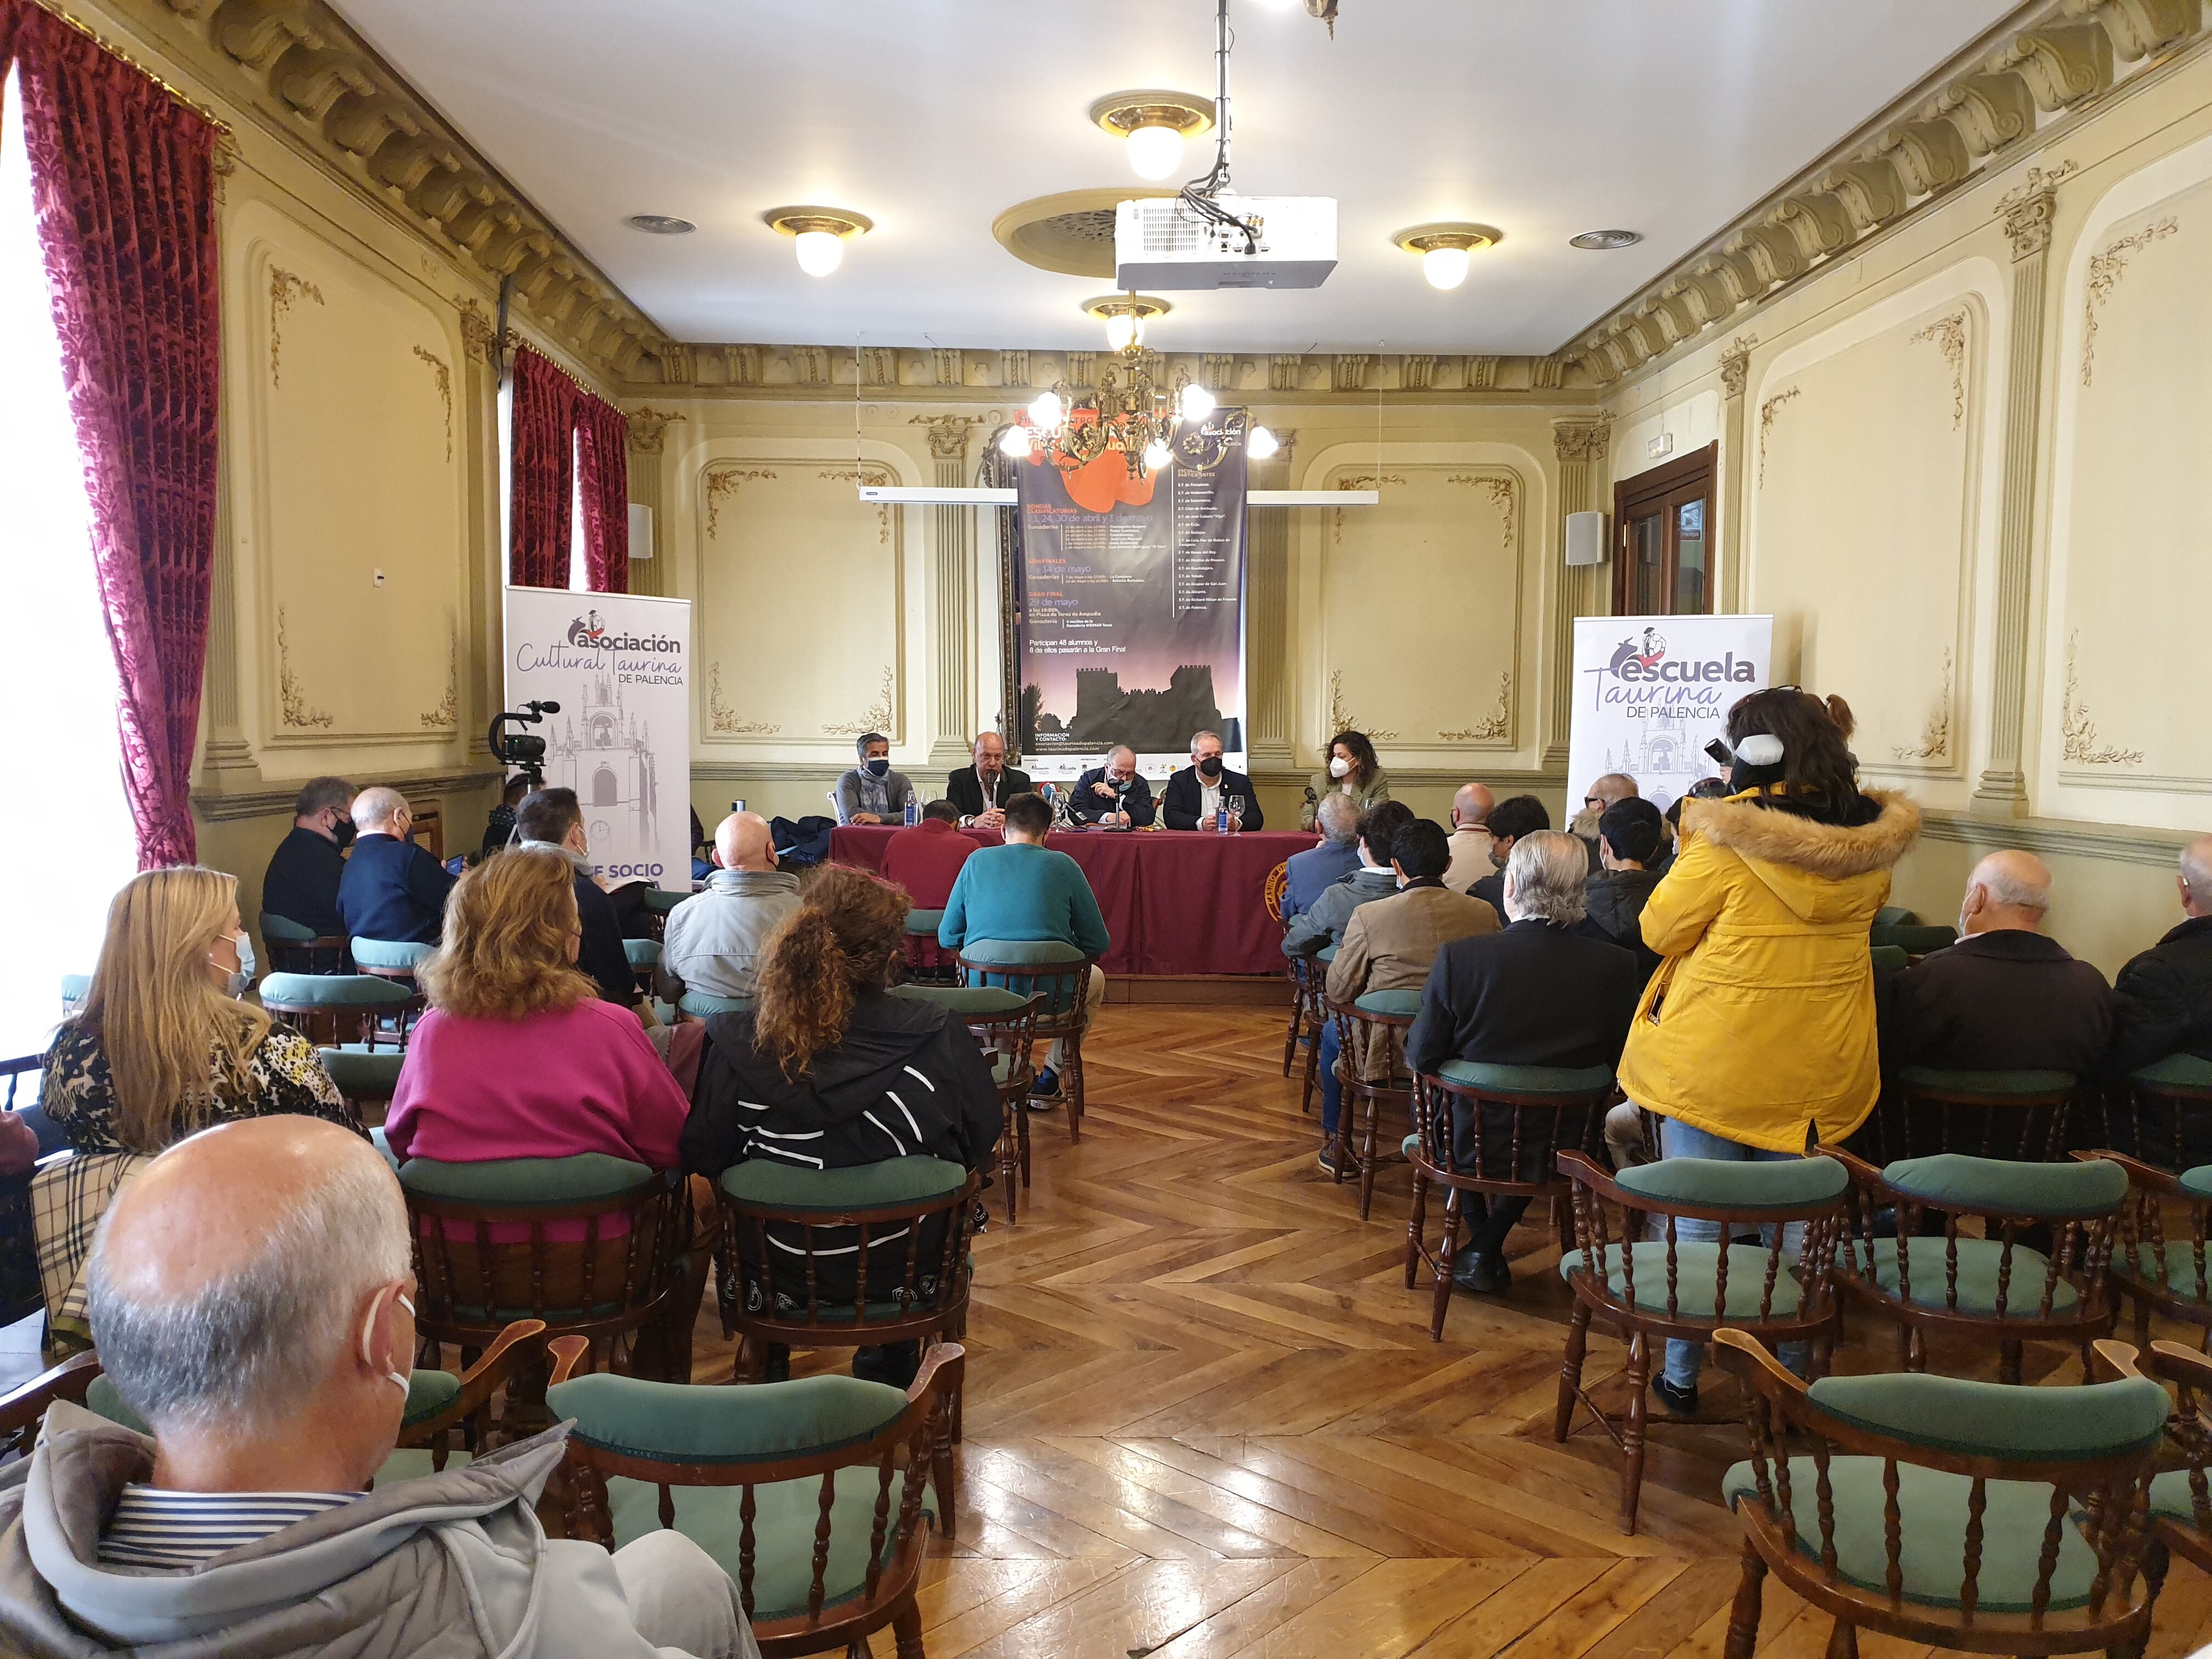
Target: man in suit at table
980,793
1113,794
1195,794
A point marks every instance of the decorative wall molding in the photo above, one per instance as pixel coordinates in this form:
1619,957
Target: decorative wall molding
447,716
1949,336
292,699
648,428
442,373
2048,64
2077,732
1735,364
2106,269
1767,412
1934,737
1341,718
283,287
720,717
2059,837
721,481
881,716
1358,481
948,433
267,801
2029,208
1495,726
875,478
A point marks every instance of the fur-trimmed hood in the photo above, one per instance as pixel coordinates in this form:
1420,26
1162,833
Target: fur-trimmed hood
1821,849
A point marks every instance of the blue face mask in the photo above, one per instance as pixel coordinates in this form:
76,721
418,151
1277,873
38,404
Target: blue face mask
879,767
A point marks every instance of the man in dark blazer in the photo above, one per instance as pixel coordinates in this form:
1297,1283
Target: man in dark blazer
1190,801
980,793
2005,996
1540,993
552,820
2166,992
1510,820
391,889
1113,794
301,883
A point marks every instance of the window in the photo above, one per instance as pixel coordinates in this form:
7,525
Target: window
1663,566
67,836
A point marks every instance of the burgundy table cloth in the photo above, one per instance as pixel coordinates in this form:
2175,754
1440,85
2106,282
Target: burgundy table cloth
1175,902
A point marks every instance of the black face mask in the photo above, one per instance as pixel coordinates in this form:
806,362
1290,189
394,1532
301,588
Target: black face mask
1210,766
342,833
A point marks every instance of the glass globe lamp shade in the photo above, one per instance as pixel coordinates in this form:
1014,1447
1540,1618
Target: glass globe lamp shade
1123,330
1045,410
1157,454
1194,403
1015,441
1444,267
819,252
1259,444
1155,151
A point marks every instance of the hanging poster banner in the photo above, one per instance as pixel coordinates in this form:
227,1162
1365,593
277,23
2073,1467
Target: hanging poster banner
1650,692
1133,605
620,666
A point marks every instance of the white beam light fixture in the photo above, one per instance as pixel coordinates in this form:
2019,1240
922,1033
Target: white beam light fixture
819,233
1154,123
1445,248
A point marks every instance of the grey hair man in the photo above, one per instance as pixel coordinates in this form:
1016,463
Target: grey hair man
871,792
1207,794
1307,875
2166,993
252,1297
1470,837
301,882
393,888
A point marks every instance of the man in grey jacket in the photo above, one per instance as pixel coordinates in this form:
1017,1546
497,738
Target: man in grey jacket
713,939
871,792
250,1297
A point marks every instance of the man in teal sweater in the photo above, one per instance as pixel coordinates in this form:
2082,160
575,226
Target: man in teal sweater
1024,891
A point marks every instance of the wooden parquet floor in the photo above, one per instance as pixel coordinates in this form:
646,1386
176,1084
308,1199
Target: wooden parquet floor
1204,1417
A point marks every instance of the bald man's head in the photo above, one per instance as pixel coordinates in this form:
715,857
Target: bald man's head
2007,890
1470,806
227,1279
1611,790
742,841
2197,877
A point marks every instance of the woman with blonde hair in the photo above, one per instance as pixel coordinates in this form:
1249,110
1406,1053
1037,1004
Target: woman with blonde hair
162,1045
517,1057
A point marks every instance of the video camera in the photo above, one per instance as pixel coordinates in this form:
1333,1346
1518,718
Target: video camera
522,751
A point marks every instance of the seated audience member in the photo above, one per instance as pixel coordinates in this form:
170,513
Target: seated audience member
1024,891
926,860
871,792
1540,993
2166,993
2005,996
519,1056
982,791
1470,837
714,940
393,888
301,883
1322,922
1510,820
1608,791
162,1046
1353,771
1113,794
1307,875
1390,946
552,821
1194,796
499,823
250,1290
1629,836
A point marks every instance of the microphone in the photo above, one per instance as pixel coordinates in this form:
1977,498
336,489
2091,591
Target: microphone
547,707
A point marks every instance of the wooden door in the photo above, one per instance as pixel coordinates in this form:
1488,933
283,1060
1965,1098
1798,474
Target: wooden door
1663,564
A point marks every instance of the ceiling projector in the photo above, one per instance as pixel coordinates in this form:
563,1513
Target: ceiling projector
1273,242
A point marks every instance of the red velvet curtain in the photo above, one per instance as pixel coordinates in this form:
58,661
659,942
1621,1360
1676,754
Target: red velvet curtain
603,475
542,459
122,178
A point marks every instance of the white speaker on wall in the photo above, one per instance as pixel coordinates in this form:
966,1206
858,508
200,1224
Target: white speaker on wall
641,531
1585,537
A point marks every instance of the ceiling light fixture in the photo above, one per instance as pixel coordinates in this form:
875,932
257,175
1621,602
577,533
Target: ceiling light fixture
821,232
1154,123
1445,249
1125,316
1602,240
660,224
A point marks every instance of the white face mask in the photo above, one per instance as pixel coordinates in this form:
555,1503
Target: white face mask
398,1379
1339,766
240,979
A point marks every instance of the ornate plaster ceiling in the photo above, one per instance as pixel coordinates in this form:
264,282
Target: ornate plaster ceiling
946,120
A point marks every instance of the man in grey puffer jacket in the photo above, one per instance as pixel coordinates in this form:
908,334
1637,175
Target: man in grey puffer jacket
250,1298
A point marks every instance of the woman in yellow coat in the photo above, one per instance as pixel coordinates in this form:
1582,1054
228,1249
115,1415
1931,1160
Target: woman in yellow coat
1756,1036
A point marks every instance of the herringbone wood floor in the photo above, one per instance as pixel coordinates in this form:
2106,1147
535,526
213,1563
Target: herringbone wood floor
1204,1416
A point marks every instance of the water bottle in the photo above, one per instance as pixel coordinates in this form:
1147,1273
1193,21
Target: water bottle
913,811
1221,818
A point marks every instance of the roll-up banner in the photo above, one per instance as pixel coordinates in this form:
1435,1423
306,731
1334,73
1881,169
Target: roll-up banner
620,666
1133,612
1650,692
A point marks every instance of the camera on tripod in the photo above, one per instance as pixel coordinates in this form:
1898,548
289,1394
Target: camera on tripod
524,751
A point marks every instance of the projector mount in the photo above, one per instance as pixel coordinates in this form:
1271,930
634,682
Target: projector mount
1198,195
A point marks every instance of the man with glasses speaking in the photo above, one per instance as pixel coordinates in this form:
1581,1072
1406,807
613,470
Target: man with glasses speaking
1113,794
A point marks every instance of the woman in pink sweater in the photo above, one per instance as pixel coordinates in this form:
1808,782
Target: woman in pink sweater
517,1057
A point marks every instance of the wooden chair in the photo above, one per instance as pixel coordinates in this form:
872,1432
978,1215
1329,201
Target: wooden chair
1943,1512
1306,1014
593,1246
2180,1502
1004,1023
2020,1115
1521,1118
644,958
295,949
1684,1289
1915,939
393,959
1373,1017
808,1493
23,1407
2165,1112
1055,975
1994,1288
927,962
366,1077
2152,1272
336,1011
657,902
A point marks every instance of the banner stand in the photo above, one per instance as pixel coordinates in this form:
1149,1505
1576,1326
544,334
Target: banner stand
1650,692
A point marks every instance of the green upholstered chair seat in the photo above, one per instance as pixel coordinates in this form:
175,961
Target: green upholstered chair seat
1896,916
358,1070
924,921
428,1393
1326,954
1916,939
1994,1085
775,1186
661,900
642,952
1978,1277
2180,1276
397,956
1751,1189
1061,991
2175,1072
1022,952
333,991
1932,1506
1410,1144
2067,1190
1891,958
970,1001
1528,1080
2197,1183
524,1181
1401,1004
275,927
1697,1279
699,1006
2170,1497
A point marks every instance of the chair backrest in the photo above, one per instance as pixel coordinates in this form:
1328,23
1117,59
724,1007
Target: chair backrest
2141,1250
1002,1021
394,959
1519,1118
697,1004
23,1407
1916,941
332,1010
2164,1112
838,808
2189,1426
763,1437
2092,1447
1050,969
295,948
2003,1114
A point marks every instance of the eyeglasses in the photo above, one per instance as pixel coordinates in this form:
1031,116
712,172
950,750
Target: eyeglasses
1593,801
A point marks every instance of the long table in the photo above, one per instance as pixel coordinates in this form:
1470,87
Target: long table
1175,902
